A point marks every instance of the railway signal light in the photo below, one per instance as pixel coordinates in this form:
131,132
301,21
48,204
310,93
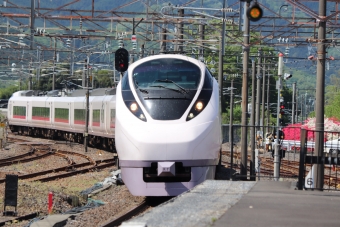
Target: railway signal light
254,12
282,107
121,60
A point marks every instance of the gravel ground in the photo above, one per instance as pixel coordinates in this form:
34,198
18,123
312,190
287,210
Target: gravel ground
33,196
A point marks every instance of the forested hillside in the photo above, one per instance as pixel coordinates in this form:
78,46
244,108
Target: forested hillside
296,63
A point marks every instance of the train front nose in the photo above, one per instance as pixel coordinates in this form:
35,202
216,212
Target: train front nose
167,142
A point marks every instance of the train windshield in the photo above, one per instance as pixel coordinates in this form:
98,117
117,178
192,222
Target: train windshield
167,73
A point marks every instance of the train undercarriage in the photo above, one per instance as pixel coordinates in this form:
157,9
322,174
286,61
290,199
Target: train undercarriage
94,141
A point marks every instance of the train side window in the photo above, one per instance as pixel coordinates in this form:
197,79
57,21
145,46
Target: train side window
125,82
96,117
112,118
208,82
19,111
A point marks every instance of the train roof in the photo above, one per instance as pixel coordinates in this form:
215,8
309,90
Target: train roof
95,92
57,93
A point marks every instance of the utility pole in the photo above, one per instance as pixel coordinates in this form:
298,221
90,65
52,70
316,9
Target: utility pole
320,96
231,132
163,43
141,55
268,83
220,67
38,67
244,128
32,22
258,91
86,134
30,87
179,25
54,60
263,95
277,145
252,122
20,72
72,57
201,29
293,103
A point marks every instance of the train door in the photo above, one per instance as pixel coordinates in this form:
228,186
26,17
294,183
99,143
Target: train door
48,106
112,114
28,112
102,117
9,110
71,107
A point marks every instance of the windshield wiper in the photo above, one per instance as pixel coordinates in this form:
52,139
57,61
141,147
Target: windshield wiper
162,86
170,81
143,90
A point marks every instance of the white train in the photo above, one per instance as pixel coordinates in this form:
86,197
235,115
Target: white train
64,117
168,128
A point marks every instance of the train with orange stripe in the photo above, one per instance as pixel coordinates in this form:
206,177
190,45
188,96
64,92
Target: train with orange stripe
64,117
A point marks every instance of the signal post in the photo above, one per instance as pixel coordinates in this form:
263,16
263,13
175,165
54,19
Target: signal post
277,145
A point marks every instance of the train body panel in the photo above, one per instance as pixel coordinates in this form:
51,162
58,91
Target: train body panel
64,116
139,187
168,129
78,111
61,112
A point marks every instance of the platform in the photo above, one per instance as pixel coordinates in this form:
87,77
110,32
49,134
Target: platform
246,203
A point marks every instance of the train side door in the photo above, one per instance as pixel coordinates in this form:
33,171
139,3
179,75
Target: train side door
28,117
102,117
9,110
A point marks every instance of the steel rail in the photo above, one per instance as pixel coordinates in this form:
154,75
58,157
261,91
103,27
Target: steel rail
128,215
102,165
64,168
19,219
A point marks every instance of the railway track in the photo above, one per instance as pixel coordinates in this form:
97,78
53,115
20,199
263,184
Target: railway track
149,202
128,215
289,169
69,170
20,219
39,151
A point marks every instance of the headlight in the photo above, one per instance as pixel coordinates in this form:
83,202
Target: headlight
199,106
133,107
196,109
129,100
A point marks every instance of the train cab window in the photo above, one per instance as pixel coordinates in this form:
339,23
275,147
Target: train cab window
152,74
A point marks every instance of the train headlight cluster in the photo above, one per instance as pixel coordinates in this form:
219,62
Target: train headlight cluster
135,109
130,101
196,109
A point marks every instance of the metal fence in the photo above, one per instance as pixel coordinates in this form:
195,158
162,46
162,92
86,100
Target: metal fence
319,160
296,150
